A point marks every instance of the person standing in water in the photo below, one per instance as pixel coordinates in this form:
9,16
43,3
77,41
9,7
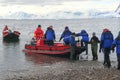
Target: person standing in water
94,46
72,46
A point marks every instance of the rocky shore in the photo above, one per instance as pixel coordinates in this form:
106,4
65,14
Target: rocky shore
69,70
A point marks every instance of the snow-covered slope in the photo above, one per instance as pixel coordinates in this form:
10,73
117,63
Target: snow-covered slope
20,15
65,15
116,13
118,10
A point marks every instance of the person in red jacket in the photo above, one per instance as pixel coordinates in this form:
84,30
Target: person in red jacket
38,33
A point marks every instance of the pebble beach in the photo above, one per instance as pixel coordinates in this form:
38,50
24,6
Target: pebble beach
16,65
72,70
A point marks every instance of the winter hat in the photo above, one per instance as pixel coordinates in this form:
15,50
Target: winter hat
39,25
105,30
51,27
66,28
93,33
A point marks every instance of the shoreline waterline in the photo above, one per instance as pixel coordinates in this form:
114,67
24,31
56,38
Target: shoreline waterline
74,70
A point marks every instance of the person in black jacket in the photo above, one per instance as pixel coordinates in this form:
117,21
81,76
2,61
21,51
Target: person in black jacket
94,46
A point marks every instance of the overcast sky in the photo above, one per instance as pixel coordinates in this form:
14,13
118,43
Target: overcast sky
48,6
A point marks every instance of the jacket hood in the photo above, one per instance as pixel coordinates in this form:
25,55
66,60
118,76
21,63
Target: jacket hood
83,31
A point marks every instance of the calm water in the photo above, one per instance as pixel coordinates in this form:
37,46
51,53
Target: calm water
12,58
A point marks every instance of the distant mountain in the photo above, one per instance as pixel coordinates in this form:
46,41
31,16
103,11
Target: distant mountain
64,15
118,10
116,13
20,15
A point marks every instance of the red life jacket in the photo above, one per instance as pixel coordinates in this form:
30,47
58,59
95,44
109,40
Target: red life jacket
38,33
5,31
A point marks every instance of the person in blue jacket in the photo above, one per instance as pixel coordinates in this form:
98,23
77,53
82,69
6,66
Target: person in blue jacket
65,35
50,36
105,45
84,40
72,46
116,43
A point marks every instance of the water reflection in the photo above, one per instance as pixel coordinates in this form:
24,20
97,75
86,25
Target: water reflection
5,43
11,57
43,59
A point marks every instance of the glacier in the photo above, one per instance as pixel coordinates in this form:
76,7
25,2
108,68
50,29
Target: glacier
64,15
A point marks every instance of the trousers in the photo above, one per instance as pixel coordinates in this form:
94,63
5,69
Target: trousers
106,52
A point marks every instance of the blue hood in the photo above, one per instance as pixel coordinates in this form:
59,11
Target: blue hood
83,31
66,29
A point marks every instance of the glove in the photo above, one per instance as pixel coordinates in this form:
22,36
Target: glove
113,50
54,40
77,41
99,50
59,40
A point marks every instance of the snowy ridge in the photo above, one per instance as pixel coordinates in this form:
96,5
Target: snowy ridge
20,15
64,15
112,14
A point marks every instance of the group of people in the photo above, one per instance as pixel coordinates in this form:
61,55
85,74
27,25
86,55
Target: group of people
49,35
107,42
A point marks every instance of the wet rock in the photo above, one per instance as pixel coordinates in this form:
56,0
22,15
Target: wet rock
77,70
